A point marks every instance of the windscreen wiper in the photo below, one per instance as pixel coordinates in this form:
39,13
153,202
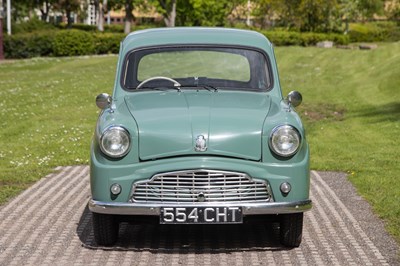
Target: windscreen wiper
201,82
207,87
203,86
158,88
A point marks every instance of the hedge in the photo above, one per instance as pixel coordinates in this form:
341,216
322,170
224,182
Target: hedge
73,42
29,45
106,43
61,43
33,25
56,42
284,38
385,31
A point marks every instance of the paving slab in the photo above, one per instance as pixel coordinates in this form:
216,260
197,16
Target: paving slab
50,224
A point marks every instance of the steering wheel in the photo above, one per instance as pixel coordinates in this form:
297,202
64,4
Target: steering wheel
176,83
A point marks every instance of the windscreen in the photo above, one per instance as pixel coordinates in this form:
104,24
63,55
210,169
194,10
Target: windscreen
229,68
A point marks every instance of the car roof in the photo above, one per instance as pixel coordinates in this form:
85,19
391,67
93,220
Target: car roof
193,36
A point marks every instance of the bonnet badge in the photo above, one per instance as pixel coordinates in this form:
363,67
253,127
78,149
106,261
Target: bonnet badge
201,143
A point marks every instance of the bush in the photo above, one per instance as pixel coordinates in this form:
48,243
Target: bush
384,31
61,43
33,25
73,42
114,28
77,42
283,38
106,43
29,45
77,26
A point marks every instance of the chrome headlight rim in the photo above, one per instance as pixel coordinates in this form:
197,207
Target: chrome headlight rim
290,152
122,130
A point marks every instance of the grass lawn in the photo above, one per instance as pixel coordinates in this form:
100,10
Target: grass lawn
351,109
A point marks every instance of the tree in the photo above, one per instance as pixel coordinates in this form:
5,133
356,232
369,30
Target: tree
1,37
304,15
129,18
368,8
348,12
44,6
393,10
319,15
68,6
101,10
128,6
205,12
284,12
167,8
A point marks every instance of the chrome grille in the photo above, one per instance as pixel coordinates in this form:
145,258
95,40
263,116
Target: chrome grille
194,186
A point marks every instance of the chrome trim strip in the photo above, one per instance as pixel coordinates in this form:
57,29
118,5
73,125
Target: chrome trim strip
217,186
123,208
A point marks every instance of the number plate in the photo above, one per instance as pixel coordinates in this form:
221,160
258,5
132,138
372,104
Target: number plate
201,215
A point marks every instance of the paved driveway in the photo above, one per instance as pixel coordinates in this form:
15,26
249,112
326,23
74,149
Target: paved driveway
49,224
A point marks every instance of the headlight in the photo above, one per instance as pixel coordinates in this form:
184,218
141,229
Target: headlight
115,142
284,140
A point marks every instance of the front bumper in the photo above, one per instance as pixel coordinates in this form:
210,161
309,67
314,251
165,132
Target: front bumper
121,208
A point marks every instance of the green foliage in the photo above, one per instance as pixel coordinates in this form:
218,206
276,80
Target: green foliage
319,15
29,44
303,15
392,10
205,12
106,43
194,12
78,26
114,28
367,8
78,42
68,6
32,25
374,32
285,38
73,42
315,15
167,8
61,43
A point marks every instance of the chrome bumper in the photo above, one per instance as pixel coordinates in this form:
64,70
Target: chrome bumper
122,208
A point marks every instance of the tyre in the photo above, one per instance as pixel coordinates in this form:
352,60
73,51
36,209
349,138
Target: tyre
291,229
105,229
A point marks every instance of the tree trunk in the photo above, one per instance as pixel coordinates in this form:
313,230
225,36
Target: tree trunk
170,19
69,18
128,16
102,11
127,28
45,11
1,39
99,16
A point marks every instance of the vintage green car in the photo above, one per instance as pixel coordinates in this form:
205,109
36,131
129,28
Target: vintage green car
197,132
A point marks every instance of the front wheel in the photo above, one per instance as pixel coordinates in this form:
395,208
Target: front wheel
291,229
105,229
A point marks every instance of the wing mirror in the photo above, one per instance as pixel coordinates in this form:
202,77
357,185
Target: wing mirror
294,98
103,101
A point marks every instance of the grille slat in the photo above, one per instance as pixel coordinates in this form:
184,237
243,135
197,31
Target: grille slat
214,186
231,186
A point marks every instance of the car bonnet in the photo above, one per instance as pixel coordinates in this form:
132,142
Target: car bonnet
191,122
